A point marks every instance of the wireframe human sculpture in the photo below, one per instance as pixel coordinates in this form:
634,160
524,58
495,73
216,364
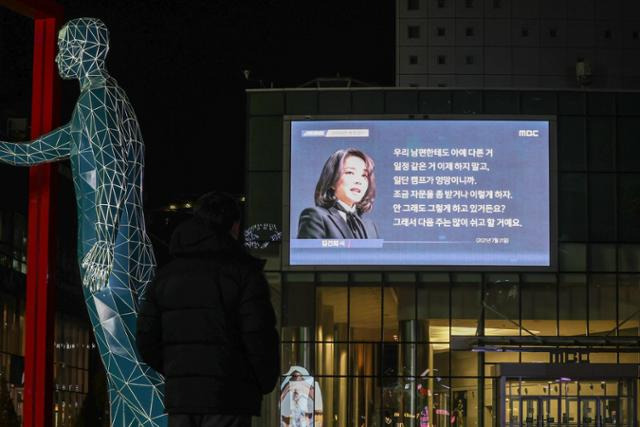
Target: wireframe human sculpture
104,144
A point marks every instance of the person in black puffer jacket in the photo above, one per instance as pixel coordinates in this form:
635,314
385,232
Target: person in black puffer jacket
207,324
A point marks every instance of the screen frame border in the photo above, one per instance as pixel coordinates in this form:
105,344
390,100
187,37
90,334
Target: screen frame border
285,263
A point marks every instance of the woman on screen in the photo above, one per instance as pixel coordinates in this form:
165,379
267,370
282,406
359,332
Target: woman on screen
345,191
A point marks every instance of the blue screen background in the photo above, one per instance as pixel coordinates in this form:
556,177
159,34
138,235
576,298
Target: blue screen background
519,164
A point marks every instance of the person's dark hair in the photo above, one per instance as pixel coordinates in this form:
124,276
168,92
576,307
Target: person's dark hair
218,210
332,171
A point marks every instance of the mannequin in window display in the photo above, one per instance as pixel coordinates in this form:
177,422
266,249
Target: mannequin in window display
104,144
300,399
424,417
458,414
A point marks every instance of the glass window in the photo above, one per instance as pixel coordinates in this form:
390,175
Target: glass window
602,257
572,136
334,402
399,401
628,149
331,358
502,305
297,317
296,354
602,207
464,363
465,303
538,294
572,256
365,401
601,143
413,32
629,304
628,207
413,4
399,313
602,312
365,357
441,409
439,360
365,310
572,211
331,313
629,258
20,243
573,304
433,309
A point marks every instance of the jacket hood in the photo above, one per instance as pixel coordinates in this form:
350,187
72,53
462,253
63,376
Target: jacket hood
193,237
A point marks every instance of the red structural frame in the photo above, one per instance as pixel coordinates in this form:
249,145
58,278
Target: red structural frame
40,309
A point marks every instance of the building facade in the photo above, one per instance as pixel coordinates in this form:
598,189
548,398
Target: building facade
518,43
465,347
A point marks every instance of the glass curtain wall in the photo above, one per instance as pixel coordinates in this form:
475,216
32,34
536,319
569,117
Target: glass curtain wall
378,344
379,353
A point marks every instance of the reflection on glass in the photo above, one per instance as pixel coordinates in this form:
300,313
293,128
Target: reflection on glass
399,405
441,409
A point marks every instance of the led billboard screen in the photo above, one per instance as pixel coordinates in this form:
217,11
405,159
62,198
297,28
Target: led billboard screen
450,192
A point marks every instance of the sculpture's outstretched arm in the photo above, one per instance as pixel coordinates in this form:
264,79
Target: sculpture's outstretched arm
55,145
109,151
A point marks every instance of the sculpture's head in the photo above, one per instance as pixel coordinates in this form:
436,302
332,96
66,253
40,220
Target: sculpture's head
83,44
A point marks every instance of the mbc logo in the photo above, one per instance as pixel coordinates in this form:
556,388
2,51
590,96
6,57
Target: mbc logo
528,132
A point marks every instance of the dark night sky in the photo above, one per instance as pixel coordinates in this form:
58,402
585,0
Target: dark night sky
181,64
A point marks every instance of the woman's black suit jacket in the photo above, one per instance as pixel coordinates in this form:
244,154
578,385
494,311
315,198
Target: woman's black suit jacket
322,223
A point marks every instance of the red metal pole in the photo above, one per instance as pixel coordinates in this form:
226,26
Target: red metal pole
40,309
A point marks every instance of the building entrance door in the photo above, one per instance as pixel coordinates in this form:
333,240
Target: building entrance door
537,411
590,411
545,411
531,411
567,402
599,411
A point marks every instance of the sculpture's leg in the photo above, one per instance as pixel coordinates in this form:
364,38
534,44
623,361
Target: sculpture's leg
135,390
